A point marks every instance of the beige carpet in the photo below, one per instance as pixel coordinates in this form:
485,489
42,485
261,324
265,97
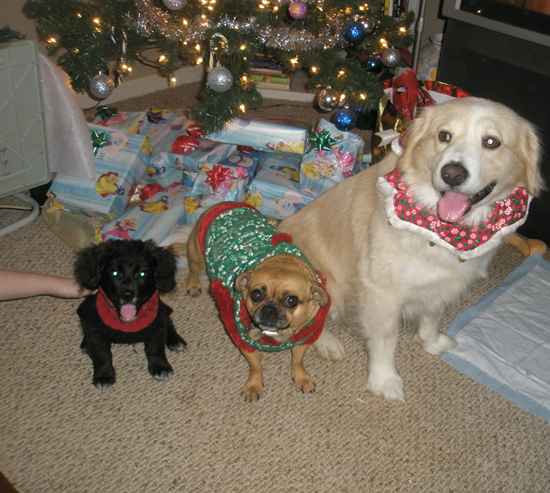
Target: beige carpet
195,434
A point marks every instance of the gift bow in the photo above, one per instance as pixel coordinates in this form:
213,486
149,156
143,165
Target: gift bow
218,175
322,140
99,139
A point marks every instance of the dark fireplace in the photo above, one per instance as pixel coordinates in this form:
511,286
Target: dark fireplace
498,61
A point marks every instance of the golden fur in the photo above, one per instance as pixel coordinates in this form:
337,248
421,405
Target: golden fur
391,272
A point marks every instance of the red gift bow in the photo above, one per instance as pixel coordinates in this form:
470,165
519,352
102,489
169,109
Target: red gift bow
184,144
195,130
217,175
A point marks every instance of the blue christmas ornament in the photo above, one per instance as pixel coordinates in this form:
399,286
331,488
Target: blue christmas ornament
354,32
374,64
344,119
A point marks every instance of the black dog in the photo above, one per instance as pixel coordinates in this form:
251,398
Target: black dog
128,274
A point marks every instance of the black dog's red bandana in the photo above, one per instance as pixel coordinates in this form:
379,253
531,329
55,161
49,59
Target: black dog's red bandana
110,317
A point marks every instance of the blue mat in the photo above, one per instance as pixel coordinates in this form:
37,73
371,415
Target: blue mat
504,340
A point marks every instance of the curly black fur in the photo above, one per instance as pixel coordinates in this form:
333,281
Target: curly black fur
129,272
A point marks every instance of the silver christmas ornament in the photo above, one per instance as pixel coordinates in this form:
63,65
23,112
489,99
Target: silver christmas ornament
174,4
101,86
219,79
391,57
327,99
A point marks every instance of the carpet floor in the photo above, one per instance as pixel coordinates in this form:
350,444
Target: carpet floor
194,433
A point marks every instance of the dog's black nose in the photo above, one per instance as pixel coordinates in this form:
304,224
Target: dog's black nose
454,174
269,315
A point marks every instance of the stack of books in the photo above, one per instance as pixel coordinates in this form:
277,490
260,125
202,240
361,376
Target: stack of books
269,75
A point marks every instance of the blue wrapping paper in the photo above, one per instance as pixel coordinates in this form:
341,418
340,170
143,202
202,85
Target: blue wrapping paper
322,169
275,191
120,165
228,178
263,136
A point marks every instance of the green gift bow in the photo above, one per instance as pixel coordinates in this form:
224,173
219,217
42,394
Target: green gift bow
99,139
322,140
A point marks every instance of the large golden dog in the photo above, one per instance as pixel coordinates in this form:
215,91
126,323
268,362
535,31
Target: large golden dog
465,175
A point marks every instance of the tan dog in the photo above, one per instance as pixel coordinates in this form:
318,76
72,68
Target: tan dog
461,168
282,295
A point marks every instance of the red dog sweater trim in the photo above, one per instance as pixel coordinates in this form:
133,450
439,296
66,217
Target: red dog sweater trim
109,315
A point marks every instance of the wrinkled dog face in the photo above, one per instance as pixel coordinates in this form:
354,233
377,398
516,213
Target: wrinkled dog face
462,156
281,297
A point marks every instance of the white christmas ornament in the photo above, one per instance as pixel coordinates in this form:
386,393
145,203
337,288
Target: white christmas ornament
101,86
219,79
174,4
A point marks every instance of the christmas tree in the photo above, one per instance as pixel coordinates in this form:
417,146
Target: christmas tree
343,45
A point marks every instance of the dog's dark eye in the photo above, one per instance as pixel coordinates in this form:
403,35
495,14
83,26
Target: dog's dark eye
445,136
290,301
256,295
490,142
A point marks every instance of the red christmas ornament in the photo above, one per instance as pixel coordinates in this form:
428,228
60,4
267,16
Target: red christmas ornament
217,175
184,144
195,131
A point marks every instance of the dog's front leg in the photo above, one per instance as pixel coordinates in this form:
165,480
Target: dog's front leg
379,318
99,351
158,365
254,386
301,378
433,341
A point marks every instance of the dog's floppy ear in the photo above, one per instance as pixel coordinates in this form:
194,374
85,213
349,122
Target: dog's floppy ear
529,152
165,266
412,137
89,264
241,283
319,294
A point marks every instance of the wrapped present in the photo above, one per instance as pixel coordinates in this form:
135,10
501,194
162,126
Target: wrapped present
167,169
120,164
263,136
152,219
334,156
161,127
206,152
227,179
275,191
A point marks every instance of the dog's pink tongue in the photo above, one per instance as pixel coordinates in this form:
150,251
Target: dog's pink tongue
452,206
128,312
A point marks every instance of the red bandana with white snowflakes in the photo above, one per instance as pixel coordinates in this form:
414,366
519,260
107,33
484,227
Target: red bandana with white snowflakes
506,215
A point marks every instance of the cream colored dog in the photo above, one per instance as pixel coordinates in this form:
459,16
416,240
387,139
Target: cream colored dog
458,173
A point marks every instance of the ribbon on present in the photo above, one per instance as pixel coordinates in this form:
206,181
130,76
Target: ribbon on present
321,140
99,139
218,175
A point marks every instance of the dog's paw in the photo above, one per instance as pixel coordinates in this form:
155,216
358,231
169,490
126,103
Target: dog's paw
251,392
193,291
161,372
329,347
439,345
388,386
306,384
103,383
